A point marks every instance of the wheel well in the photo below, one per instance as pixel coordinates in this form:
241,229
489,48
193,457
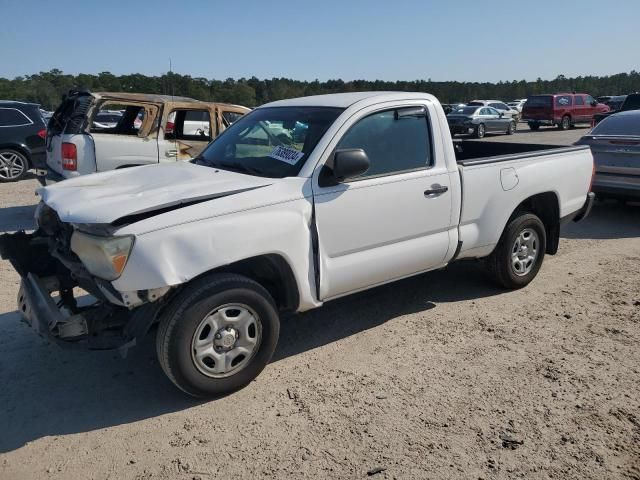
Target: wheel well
20,149
547,207
272,272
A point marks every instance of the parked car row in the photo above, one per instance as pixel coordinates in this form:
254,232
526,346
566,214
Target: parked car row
563,110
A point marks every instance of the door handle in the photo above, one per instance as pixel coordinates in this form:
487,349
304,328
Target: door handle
171,153
436,190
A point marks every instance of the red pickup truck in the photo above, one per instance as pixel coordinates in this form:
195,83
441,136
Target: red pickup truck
561,109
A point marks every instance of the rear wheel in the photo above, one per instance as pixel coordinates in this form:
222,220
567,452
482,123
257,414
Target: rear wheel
512,128
480,131
217,335
518,256
13,165
565,123
534,126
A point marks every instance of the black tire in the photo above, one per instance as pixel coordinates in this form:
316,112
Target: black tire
565,123
13,165
500,261
534,126
182,317
480,131
512,128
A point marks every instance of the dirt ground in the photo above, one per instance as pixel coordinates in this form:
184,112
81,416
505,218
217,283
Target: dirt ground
442,376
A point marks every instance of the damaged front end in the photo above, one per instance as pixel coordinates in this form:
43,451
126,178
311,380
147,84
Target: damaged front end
51,300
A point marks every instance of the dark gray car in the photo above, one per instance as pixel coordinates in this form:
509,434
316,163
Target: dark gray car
479,121
615,145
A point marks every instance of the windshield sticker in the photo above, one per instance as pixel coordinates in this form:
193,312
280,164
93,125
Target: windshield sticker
287,155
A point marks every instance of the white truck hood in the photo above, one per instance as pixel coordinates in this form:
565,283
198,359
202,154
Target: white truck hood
105,197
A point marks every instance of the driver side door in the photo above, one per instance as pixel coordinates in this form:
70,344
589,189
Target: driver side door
392,221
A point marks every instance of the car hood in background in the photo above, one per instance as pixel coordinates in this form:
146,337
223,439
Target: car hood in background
103,198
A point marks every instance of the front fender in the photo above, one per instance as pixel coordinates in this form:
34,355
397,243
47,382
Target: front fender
175,255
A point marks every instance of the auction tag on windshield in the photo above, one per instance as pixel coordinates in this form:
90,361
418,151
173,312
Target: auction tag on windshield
288,155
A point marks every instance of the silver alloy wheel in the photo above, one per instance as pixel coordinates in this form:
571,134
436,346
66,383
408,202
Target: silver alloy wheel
12,165
512,127
226,340
565,123
481,130
524,252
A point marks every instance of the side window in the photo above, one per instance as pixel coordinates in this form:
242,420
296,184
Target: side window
579,99
230,117
563,101
12,117
394,143
485,111
590,99
188,125
118,119
493,111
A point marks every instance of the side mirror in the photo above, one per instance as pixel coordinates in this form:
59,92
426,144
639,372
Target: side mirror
349,163
501,114
346,163
594,103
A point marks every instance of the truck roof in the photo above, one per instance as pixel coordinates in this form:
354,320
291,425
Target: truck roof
152,97
345,100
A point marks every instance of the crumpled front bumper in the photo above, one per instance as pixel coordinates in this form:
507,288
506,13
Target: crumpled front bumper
49,302
40,311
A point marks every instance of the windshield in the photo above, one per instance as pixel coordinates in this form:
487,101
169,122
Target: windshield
464,111
476,104
270,142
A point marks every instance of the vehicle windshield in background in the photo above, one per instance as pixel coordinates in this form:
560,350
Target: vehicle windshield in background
615,103
632,102
620,124
464,111
475,104
270,142
539,101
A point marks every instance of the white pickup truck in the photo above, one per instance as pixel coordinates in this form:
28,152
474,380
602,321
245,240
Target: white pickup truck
365,189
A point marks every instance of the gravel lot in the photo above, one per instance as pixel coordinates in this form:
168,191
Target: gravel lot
439,376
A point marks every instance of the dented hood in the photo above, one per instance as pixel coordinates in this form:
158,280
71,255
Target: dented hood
103,198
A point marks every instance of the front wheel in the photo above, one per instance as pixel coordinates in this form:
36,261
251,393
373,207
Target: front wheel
217,335
480,131
534,126
512,128
565,123
518,256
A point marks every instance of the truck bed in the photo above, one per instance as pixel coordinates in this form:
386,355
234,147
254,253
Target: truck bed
495,174
473,152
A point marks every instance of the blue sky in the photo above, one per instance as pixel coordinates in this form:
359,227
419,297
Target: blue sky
464,40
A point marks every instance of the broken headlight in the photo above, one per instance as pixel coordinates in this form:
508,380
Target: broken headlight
104,257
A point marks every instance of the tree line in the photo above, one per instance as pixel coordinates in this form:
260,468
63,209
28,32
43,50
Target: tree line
47,88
